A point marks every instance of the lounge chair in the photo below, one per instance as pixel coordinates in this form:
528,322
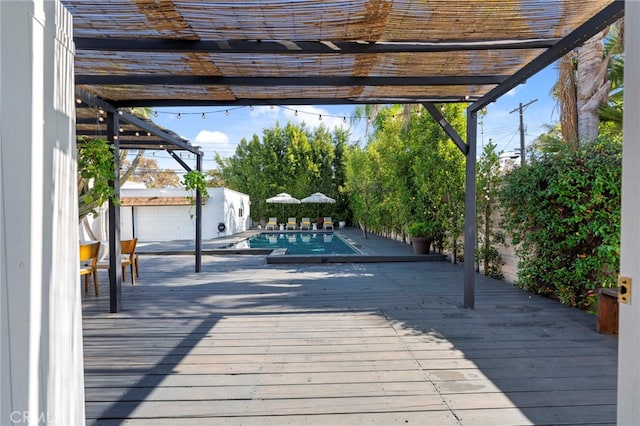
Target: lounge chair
305,223
292,223
273,224
328,223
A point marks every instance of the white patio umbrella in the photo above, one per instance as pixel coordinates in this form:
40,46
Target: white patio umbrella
318,198
283,198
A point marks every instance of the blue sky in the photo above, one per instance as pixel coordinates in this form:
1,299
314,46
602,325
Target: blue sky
220,130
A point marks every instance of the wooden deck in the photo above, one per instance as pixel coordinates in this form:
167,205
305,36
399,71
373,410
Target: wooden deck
246,343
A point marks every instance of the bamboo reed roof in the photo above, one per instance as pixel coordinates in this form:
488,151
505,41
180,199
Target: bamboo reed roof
188,52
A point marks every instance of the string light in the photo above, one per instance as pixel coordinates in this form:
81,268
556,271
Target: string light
101,118
120,112
296,113
148,133
100,111
78,100
137,133
120,129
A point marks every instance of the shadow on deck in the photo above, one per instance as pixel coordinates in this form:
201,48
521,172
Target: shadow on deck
248,343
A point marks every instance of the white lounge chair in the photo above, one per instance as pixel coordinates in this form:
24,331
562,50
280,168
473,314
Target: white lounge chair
273,224
292,223
305,223
328,223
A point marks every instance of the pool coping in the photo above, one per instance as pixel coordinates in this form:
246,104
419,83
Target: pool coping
278,256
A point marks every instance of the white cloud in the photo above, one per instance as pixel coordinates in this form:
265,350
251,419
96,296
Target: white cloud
215,137
214,141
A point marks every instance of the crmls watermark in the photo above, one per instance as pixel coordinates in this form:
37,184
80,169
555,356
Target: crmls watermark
25,417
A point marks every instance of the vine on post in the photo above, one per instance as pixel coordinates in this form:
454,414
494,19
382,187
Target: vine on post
194,181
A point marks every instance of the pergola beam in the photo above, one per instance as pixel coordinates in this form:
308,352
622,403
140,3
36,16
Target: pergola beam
318,80
288,101
448,129
300,47
90,99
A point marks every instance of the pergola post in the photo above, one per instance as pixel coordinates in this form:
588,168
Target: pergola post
470,211
115,263
199,218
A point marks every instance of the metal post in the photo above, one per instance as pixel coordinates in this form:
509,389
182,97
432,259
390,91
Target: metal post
199,218
115,264
470,211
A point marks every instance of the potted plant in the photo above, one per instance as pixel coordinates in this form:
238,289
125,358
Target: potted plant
422,235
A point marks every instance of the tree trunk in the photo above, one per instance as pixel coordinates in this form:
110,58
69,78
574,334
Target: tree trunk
592,86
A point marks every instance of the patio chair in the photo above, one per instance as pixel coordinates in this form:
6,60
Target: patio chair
328,223
88,264
273,224
128,258
305,223
292,223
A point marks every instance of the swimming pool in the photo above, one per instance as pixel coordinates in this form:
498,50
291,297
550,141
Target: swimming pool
300,243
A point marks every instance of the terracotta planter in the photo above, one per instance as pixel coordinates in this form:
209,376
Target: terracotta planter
421,245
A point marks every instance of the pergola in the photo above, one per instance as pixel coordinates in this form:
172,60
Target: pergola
151,53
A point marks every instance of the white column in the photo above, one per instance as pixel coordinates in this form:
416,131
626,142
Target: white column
629,337
40,311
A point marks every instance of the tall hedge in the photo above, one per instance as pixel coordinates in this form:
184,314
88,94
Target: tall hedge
563,212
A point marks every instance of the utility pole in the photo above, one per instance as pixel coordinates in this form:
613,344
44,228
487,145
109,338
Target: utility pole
521,109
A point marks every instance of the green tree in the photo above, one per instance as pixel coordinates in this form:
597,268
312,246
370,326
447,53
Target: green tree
292,159
487,190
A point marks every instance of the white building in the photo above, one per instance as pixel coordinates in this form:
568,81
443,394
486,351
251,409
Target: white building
169,214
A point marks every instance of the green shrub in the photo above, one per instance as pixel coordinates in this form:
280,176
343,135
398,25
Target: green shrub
563,212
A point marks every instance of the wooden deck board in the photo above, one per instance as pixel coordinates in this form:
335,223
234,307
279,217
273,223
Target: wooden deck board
246,343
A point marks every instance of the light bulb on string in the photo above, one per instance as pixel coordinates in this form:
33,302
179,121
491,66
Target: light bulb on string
203,116
344,119
179,116
155,114
226,112
148,133
78,100
320,117
250,107
120,129
137,133
120,112
101,118
295,113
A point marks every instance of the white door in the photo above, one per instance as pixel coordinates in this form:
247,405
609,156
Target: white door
164,223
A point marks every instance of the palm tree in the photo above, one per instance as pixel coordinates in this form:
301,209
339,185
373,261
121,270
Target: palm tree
584,84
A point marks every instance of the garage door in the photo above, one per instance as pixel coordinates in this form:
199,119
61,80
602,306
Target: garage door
164,223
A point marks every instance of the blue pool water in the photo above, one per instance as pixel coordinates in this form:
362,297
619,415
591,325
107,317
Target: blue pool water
300,243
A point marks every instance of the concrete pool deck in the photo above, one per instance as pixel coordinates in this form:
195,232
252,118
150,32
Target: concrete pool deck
372,249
